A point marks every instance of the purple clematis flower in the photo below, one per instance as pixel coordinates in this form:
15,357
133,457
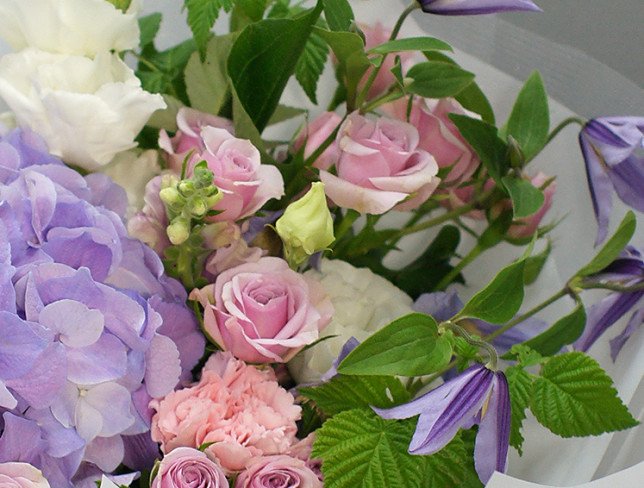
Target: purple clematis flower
609,146
627,270
475,7
477,396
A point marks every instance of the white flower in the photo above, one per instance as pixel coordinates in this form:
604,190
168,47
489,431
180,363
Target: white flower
364,303
87,110
80,27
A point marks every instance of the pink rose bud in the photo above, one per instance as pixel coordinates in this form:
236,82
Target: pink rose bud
188,137
185,467
438,134
313,135
21,475
380,166
277,471
263,311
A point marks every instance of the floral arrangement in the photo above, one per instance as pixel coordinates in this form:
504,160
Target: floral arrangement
185,301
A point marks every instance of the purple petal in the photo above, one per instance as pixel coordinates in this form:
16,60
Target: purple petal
476,7
348,346
633,325
20,346
493,438
628,179
21,440
440,305
61,441
105,360
74,323
113,403
105,193
105,452
522,332
140,452
615,139
163,367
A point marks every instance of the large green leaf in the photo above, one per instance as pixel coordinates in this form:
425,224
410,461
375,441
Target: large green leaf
347,392
311,64
149,27
437,79
534,264
564,331
360,450
409,346
338,14
246,12
526,198
262,60
451,467
574,397
202,15
520,387
529,121
411,44
609,251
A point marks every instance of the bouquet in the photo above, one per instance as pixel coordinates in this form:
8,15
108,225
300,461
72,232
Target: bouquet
196,285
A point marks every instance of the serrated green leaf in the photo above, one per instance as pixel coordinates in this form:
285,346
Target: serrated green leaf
609,251
347,392
524,355
520,387
437,79
526,199
484,139
202,15
451,467
534,264
574,397
338,14
529,121
409,346
360,450
501,299
207,81
411,44
311,64
262,60
149,27
564,331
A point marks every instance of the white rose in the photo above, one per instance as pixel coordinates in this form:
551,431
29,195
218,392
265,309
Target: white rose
87,110
364,303
80,27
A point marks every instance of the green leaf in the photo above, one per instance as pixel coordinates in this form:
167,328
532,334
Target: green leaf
524,355
501,299
311,64
207,81
609,251
452,466
526,199
520,387
245,127
360,450
437,79
202,15
485,140
409,346
284,112
411,44
149,27
534,264
574,397
262,60
246,12
529,121
347,392
338,14
564,331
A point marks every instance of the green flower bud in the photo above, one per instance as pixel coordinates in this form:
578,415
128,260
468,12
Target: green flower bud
169,181
170,196
199,207
178,231
186,187
306,226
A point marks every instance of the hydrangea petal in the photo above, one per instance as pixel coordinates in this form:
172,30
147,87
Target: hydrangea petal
73,322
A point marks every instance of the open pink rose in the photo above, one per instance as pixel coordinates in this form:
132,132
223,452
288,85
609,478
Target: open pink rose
380,166
314,134
187,467
188,136
438,134
264,311
241,409
277,472
21,475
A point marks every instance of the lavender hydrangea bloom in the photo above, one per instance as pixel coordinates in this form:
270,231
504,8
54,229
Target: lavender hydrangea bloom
94,327
609,146
477,396
475,7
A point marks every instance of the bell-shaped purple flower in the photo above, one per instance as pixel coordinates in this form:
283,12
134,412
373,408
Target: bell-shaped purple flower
477,396
475,7
610,146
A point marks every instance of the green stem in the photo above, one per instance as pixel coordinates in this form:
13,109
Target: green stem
386,98
612,286
345,224
517,320
435,221
468,259
489,349
399,23
565,123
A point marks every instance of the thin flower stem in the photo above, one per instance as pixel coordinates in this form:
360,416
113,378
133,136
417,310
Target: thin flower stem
435,221
565,123
612,286
467,260
396,30
489,349
388,97
345,224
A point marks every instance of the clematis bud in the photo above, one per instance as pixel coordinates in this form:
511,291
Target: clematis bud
475,7
306,226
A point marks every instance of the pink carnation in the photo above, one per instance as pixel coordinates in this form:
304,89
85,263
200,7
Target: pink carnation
240,409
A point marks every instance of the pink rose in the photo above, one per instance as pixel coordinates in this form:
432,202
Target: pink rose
186,467
314,134
525,228
380,167
230,248
21,475
188,137
459,196
264,311
276,472
241,409
438,134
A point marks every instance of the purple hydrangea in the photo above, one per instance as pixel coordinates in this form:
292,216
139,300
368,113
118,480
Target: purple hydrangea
92,328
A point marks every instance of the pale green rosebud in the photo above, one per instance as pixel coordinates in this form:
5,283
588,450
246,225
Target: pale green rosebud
178,231
306,226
